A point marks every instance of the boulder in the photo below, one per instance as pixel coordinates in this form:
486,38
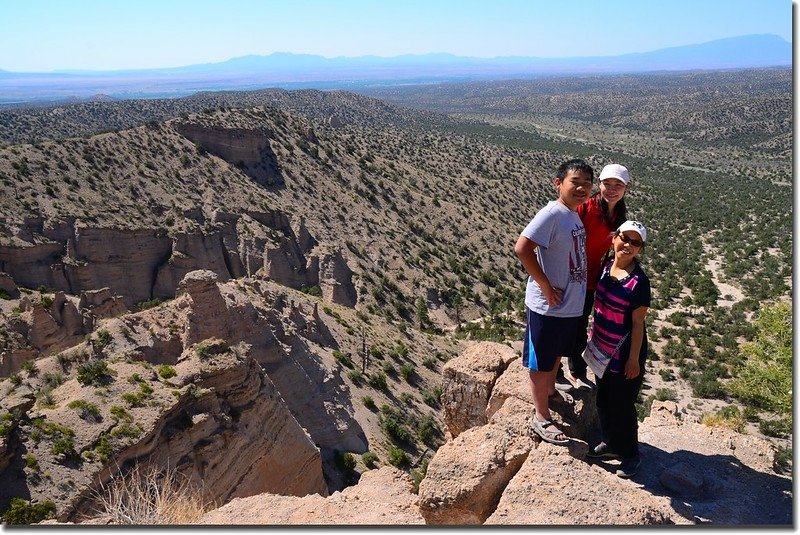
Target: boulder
468,381
466,477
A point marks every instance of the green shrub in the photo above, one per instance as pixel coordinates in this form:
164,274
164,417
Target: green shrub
428,430
127,431
667,374
370,459
15,379
22,512
432,397
398,457
666,394
343,358
133,399
369,402
643,407
316,291
103,339
377,380
103,449
729,417
355,376
45,398
145,305
31,461
780,428
706,385
52,380
212,346
418,474
393,426
95,372
407,371
64,445
166,371
120,414
429,362
764,380
86,409
30,367
783,460
345,461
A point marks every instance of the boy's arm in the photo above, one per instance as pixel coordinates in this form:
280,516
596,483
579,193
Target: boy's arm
526,252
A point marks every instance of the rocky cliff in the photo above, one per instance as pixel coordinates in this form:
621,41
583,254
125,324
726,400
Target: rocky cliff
199,384
135,266
145,264
493,470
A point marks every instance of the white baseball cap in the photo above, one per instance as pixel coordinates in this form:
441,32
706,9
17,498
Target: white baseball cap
634,226
615,170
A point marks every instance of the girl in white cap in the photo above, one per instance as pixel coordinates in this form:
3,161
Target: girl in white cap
601,214
618,330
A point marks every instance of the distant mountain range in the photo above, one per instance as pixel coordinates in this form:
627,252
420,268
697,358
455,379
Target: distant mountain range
302,71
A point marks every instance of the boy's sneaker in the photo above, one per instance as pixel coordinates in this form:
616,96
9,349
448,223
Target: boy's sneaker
602,451
629,467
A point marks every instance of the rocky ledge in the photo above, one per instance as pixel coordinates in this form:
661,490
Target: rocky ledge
493,470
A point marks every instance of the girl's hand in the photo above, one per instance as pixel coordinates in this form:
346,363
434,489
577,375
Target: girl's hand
632,368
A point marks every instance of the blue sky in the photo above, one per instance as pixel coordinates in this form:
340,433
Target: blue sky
45,35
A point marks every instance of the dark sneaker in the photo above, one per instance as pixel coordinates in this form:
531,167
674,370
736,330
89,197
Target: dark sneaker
629,467
602,451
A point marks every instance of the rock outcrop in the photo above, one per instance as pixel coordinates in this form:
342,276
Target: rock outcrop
244,148
383,497
47,325
494,472
144,264
199,384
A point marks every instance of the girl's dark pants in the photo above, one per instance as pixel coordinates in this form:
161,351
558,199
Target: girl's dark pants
616,407
577,366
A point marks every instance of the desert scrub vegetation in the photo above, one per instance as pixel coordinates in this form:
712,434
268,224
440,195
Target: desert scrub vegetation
207,348
166,371
370,459
86,410
23,512
95,372
6,423
764,380
729,417
147,495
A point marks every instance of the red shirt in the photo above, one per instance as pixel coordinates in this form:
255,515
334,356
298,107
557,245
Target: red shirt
598,239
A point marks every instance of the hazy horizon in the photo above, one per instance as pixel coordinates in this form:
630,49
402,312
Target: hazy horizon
94,35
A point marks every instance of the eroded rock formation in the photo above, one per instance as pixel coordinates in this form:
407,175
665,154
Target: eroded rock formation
214,383
143,264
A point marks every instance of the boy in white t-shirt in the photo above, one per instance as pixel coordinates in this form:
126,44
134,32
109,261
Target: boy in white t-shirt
552,248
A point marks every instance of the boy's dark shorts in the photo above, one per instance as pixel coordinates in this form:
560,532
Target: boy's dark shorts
546,339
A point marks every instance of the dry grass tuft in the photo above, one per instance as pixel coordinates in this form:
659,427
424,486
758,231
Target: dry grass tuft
150,496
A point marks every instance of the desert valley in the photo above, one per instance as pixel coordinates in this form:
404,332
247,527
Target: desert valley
304,302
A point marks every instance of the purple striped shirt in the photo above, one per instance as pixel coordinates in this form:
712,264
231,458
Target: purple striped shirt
614,303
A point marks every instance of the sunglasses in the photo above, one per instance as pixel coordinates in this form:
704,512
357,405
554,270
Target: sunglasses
626,239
